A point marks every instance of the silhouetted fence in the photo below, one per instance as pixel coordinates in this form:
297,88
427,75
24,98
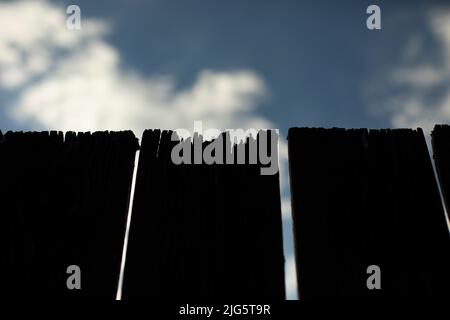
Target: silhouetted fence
441,150
213,231
363,198
64,202
203,232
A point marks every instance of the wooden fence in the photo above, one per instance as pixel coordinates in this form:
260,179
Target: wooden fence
362,198
64,202
203,232
214,232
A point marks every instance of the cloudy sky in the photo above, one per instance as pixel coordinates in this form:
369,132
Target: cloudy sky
232,64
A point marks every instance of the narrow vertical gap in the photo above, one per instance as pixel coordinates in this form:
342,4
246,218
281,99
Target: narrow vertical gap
127,229
290,265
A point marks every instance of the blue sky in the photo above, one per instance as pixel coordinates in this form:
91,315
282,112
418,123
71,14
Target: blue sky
315,56
236,63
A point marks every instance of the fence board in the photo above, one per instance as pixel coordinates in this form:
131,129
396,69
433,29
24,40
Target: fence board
441,150
365,198
202,232
64,202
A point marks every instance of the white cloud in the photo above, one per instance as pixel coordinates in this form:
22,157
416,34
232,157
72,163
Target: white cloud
73,80
416,93
33,32
421,77
87,90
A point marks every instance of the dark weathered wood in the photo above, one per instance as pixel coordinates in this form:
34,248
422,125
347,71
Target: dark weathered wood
202,232
441,150
363,198
64,202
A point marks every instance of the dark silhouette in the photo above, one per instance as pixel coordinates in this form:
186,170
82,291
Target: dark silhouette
213,232
364,198
441,149
64,202
203,232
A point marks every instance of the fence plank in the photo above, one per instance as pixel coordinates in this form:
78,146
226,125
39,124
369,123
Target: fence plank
200,231
65,203
363,198
441,150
